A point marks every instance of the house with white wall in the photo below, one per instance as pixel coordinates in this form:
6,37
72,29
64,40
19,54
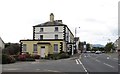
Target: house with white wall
48,38
2,44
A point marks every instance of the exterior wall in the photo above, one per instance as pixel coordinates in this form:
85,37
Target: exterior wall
49,32
70,36
2,45
49,48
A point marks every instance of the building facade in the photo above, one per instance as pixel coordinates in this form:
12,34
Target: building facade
49,38
2,44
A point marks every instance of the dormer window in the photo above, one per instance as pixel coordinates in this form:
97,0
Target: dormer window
41,29
56,29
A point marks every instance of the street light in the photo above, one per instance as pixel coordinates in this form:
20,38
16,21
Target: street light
75,39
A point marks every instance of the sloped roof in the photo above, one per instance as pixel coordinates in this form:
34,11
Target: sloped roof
1,39
55,23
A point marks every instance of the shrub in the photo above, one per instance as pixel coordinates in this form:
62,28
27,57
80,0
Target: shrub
35,56
6,59
22,57
64,55
30,59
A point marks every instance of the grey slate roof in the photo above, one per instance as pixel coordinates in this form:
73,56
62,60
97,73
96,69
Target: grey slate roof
55,23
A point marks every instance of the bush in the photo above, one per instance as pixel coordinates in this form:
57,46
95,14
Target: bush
22,57
37,56
30,59
6,59
64,55
57,56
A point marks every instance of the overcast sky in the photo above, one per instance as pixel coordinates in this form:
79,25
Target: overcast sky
97,19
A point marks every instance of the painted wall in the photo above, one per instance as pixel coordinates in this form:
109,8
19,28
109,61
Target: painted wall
49,48
49,32
2,45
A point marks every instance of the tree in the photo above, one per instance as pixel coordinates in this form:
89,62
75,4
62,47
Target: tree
109,47
88,47
11,48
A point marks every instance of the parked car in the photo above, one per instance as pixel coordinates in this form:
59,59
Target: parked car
92,51
98,52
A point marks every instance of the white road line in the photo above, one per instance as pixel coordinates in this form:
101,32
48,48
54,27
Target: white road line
108,65
97,60
77,61
37,69
115,58
52,71
11,69
108,58
83,67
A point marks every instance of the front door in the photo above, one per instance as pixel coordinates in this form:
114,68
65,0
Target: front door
43,51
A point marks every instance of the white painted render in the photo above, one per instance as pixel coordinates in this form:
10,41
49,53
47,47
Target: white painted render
49,32
2,45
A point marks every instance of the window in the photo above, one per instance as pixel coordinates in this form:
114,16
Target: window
41,29
42,46
55,47
34,47
41,36
24,47
56,28
56,36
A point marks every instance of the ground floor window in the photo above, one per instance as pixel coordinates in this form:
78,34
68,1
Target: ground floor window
55,47
35,47
24,47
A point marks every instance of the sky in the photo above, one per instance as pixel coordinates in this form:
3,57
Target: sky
97,19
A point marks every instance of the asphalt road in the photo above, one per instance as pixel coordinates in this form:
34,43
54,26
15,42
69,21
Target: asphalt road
87,62
99,62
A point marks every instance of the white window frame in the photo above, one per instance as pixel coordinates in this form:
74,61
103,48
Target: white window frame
56,36
56,48
24,48
35,48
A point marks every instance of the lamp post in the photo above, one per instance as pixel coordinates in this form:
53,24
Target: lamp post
75,39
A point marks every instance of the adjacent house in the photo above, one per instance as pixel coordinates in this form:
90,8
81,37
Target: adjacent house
77,44
48,38
2,44
117,44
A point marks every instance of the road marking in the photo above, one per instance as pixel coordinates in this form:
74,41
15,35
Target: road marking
37,69
108,65
52,70
97,60
77,61
83,67
108,58
11,69
115,58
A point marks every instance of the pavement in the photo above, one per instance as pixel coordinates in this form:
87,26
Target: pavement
85,63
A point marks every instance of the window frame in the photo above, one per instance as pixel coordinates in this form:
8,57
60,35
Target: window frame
41,38
41,29
35,48
56,36
56,29
24,48
55,48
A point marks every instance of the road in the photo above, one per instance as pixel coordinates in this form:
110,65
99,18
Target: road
86,63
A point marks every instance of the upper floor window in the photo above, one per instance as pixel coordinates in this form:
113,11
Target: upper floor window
41,36
34,47
24,47
56,28
56,36
41,29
